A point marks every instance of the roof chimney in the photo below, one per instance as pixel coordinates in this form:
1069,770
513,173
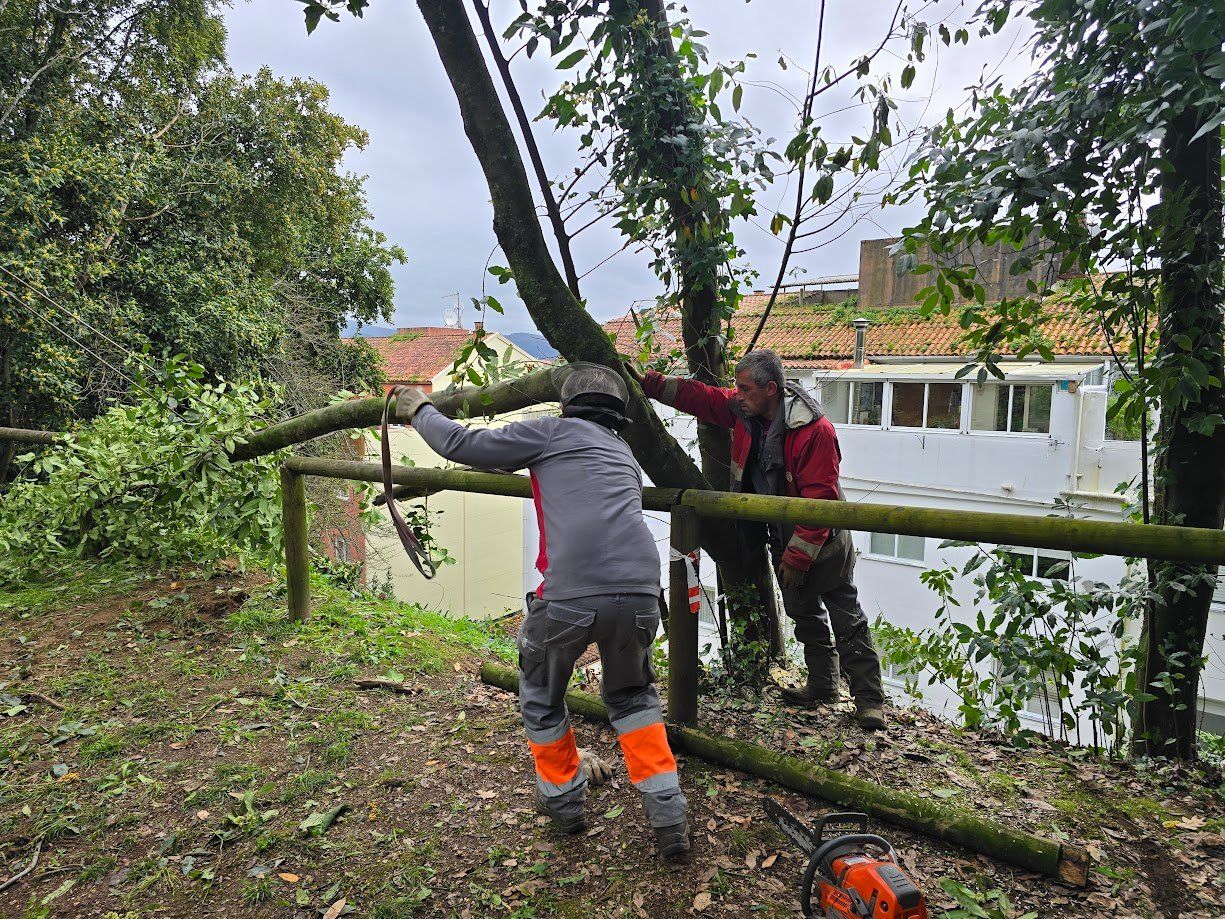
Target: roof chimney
861,338
479,325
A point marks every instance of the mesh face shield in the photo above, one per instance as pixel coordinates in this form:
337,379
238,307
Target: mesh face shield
580,378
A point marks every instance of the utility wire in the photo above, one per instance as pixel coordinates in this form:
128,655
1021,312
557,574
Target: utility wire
34,314
123,349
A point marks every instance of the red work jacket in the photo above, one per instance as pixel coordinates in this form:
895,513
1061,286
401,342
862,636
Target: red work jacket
811,455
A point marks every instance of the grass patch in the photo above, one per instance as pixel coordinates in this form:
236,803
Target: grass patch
365,632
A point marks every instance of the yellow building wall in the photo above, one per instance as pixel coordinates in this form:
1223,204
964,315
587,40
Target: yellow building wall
483,533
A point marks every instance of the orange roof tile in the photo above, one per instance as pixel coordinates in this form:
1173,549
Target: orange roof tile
819,335
417,355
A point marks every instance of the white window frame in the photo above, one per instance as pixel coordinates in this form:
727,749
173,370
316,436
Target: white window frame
887,407
1012,385
850,401
1034,554
892,679
895,558
1047,712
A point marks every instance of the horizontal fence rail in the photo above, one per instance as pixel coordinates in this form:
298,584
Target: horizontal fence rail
430,481
1169,543
26,436
1176,544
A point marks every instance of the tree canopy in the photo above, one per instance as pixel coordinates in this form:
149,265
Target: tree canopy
152,200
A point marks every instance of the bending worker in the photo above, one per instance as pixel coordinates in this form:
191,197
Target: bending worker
601,584
782,444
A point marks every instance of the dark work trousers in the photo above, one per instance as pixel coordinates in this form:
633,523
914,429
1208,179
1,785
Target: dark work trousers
552,637
828,598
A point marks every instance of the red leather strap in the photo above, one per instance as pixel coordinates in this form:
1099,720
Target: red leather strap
416,552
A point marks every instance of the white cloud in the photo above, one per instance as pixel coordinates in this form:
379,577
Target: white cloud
427,192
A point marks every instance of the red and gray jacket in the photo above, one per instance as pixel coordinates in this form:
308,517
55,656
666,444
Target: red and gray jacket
811,455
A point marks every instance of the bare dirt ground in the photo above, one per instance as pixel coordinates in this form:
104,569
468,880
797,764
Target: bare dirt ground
171,746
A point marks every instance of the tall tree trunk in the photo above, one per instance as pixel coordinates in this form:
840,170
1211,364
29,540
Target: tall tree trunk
692,204
1190,466
558,314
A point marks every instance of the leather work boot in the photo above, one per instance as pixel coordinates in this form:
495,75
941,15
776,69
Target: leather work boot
807,696
870,715
673,840
823,690
568,824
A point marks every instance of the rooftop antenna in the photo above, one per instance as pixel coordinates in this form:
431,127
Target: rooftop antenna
453,316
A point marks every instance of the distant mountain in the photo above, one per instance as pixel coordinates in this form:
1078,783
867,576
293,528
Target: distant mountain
534,344
367,331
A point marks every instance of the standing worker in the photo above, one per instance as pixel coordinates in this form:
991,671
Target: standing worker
601,574
782,444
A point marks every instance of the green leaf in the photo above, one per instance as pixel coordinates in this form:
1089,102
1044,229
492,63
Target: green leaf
571,59
737,95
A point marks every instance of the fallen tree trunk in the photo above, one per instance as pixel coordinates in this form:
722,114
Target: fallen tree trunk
1068,863
466,401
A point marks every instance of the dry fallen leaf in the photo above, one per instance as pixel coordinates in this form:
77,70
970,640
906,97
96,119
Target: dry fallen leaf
288,877
486,794
702,900
335,909
770,861
201,815
1187,823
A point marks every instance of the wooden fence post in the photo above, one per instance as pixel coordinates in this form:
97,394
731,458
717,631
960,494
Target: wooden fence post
682,624
297,555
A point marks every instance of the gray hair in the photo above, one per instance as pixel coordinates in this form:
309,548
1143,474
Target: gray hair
764,366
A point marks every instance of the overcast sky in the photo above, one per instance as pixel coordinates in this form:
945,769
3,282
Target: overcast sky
426,189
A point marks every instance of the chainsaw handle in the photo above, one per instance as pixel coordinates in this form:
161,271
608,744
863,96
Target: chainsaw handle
816,863
826,852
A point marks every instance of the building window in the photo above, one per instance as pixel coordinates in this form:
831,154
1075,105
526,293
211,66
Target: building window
342,549
927,405
1016,408
855,402
1035,564
893,672
891,545
1042,705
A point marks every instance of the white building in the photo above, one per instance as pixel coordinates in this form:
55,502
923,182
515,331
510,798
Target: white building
914,434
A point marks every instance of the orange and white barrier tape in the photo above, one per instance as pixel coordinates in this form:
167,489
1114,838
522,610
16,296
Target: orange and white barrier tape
691,576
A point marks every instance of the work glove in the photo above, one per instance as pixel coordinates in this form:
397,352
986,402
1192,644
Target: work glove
790,577
409,400
597,770
635,374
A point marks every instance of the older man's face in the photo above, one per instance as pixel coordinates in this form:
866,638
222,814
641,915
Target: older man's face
753,398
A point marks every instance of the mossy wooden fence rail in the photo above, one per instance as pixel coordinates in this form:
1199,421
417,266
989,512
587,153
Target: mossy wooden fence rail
686,507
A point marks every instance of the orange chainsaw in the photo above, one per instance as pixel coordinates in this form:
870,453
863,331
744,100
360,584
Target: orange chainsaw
855,872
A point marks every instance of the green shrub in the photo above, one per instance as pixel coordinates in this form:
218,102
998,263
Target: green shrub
147,482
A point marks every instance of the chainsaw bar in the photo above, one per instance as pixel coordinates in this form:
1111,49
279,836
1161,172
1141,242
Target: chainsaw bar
791,826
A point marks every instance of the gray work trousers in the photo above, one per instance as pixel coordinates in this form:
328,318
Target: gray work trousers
828,598
551,639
